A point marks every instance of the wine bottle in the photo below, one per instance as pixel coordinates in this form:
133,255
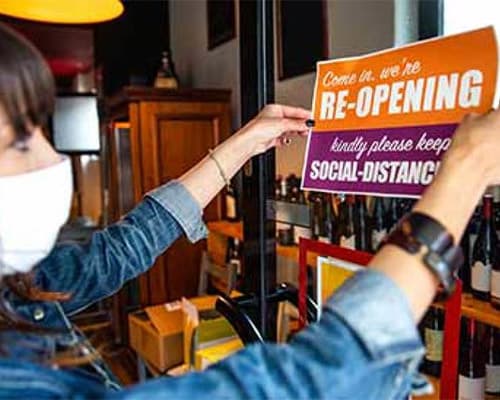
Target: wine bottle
231,201
484,253
300,230
314,215
325,218
293,188
361,224
302,194
495,282
347,231
284,231
166,76
433,339
464,271
233,257
277,188
392,213
493,361
378,225
472,372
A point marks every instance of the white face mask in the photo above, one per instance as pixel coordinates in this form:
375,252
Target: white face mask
33,207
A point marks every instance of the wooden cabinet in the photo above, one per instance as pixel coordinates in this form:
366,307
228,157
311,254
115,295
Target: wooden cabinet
168,132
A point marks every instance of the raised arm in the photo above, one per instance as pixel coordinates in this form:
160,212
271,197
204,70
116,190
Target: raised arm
366,344
469,167
126,249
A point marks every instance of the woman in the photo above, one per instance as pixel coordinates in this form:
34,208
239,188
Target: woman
365,346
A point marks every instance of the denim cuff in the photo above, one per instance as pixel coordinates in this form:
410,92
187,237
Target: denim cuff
378,312
176,199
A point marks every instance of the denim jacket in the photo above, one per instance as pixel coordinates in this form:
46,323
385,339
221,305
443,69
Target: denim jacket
365,346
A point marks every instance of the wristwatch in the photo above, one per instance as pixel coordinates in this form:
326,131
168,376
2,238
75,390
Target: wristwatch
418,233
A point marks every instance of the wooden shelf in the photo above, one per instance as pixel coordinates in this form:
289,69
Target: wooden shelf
226,228
434,396
472,308
436,382
478,310
235,230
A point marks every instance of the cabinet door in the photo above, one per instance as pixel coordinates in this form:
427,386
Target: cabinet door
174,136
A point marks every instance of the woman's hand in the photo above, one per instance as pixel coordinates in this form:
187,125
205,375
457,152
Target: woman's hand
272,125
476,142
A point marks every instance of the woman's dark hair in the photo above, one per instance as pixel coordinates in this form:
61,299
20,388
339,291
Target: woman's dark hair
27,89
27,93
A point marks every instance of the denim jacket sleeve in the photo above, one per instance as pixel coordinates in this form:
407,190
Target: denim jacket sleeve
365,346
123,250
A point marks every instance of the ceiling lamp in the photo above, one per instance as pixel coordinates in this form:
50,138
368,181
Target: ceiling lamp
62,11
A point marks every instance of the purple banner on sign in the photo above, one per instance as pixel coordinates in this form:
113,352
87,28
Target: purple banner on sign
391,162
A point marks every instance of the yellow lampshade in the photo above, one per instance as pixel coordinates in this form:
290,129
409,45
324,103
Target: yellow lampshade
62,11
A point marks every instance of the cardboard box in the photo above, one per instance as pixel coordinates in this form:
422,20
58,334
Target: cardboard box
163,350
157,332
215,353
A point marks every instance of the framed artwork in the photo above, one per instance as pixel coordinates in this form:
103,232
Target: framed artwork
221,22
302,36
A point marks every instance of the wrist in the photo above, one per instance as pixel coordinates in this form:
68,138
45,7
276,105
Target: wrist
455,192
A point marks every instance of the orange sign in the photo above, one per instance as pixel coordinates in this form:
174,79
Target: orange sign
431,82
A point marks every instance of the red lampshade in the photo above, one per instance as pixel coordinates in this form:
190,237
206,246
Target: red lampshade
67,67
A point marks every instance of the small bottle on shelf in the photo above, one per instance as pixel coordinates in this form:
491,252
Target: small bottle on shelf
166,77
392,217
277,188
328,222
464,271
361,224
233,256
347,233
293,185
493,361
433,339
495,281
231,202
301,231
472,372
284,230
378,225
484,253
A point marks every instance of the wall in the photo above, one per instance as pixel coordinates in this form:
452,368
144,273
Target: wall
195,64
354,27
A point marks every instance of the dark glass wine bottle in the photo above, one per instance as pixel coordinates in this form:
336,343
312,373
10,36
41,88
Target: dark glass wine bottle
327,219
433,339
392,213
347,233
166,76
361,229
472,371
493,361
313,215
233,255
464,271
231,201
484,253
378,225
277,188
293,187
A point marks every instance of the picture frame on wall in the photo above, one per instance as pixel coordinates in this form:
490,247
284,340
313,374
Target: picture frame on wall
221,22
302,36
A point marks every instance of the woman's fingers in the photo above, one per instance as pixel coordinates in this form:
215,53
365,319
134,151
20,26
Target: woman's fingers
278,110
291,125
295,112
